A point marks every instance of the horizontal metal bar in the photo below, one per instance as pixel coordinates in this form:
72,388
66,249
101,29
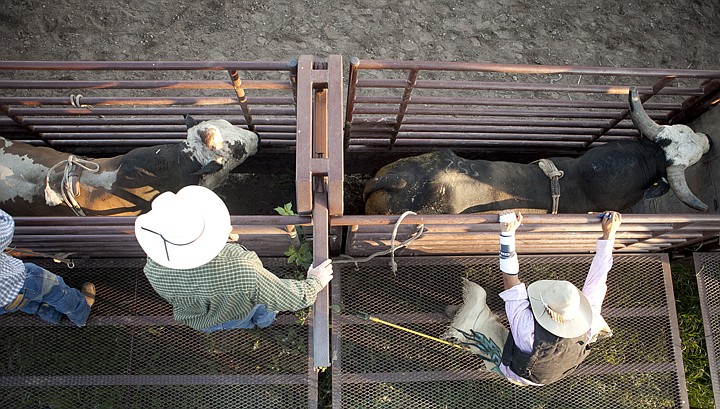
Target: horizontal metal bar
518,86
193,110
146,65
130,220
162,101
144,380
528,219
464,143
530,68
140,84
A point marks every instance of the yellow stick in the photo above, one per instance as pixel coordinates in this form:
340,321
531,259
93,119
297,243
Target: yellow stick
442,341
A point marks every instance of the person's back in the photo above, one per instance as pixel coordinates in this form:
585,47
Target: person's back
210,283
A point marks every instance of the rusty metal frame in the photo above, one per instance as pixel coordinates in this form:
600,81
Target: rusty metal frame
561,233
536,112
139,108
708,277
319,172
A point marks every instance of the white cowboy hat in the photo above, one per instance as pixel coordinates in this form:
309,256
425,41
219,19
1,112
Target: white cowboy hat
560,307
184,230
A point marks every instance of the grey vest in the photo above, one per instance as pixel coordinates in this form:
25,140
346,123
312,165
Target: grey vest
551,358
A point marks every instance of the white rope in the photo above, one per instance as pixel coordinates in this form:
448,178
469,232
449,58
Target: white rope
68,193
393,247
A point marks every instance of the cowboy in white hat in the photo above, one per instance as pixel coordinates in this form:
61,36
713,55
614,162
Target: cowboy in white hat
213,284
552,322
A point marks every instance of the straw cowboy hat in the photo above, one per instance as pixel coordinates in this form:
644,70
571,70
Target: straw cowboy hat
184,230
560,307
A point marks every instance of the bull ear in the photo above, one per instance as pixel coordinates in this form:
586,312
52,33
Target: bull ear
189,121
211,137
384,182
640,118
658,189
210,167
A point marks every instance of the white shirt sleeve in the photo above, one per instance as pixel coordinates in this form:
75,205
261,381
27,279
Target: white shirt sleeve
595,286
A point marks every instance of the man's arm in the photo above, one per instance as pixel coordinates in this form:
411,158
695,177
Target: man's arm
509,222
517,304
595,286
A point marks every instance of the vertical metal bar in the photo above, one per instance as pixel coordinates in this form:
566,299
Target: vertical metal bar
412,79
336,155
625,112
672,315
242,99
321,308
293,65
304,139
320,124
702,276
350,105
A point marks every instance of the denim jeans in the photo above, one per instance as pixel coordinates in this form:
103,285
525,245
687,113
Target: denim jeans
259,316
50,298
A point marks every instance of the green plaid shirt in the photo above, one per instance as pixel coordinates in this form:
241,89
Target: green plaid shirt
227,288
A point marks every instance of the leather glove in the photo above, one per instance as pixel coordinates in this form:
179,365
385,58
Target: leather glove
323,272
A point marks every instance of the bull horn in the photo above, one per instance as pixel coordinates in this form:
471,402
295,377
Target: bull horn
676,179
384,182
640,118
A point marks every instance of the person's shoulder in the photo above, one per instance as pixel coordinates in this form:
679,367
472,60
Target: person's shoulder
237,251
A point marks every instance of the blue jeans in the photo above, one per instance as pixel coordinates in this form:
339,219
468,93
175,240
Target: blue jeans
259,316
50,298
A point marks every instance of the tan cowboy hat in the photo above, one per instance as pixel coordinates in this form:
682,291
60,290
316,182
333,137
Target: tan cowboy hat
560,307
184,230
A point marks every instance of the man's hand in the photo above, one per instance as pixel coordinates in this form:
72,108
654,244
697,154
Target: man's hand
509,222
323,272
610,222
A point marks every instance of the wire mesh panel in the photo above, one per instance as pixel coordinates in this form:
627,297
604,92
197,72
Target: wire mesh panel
132,354
377,365
707,266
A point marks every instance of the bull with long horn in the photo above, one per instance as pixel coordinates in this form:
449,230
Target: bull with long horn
615,175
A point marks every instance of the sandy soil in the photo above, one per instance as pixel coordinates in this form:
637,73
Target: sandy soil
644,33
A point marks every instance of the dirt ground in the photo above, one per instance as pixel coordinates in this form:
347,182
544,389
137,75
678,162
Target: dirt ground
643,33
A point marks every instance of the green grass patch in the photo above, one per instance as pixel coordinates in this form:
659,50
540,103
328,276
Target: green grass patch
694,350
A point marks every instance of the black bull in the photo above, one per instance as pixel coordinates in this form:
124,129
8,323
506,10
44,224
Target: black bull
613,176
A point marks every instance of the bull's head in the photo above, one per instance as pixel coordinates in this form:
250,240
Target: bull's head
681,145
415,183
219,147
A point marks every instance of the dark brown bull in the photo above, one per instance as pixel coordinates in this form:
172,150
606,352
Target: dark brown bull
33,180
613,176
